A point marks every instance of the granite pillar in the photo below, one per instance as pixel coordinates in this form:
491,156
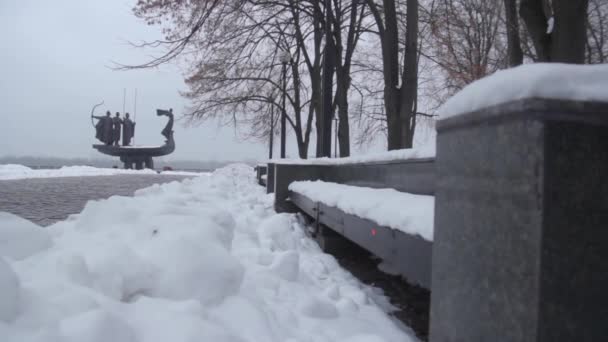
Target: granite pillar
521,224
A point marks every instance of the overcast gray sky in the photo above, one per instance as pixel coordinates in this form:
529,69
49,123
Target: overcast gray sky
55,65
54,68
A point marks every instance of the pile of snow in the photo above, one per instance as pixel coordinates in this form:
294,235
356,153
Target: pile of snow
412,214
20,238
538,80
206,259
12,171
9,294
424,151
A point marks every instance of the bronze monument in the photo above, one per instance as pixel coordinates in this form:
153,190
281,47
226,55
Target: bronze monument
108,131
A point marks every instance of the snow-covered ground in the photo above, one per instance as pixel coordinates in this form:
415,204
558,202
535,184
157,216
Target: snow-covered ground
13,171
206,259
412,214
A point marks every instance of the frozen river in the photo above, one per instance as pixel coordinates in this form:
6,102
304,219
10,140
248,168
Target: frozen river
48,200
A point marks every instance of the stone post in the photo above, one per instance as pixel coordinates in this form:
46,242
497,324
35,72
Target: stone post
270,178
284,175
521,224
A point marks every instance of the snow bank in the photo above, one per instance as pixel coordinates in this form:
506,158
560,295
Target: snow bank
12,171
425,151
184,173
538,80
412,214
20,238
206,259
9,293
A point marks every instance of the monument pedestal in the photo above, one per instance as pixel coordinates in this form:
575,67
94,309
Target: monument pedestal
137,161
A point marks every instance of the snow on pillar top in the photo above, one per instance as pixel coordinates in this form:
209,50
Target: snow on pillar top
555,81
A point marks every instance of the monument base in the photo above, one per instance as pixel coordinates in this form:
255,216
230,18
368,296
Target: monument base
137,157
137,162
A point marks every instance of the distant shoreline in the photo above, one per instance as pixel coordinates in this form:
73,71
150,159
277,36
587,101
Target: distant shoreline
56,163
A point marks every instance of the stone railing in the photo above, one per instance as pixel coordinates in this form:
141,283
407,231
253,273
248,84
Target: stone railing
520,248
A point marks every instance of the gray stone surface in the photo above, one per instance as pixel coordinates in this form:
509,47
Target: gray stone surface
574,259
261,170
285,175
270,178
521,246
48,200
416,176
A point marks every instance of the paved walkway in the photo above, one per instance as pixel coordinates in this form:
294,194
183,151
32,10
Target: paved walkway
48,200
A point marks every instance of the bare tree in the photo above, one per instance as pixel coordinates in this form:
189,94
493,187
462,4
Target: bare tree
467,44
232,47
597,32
347,28
399,97
370,116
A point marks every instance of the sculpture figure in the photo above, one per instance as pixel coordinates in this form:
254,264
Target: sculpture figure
128,130
167,132
103,128
116,122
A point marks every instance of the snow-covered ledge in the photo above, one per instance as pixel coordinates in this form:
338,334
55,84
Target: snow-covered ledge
383,206
426,151
520,240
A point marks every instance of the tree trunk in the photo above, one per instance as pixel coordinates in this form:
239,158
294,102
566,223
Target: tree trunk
569,34
315,77
302,146
317,103
343,128
565,43
390,68
391,104
410,75
343,64
328,77
515,54
533,15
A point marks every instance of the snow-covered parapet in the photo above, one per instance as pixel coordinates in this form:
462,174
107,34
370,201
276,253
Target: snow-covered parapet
422,152
409,213
540,80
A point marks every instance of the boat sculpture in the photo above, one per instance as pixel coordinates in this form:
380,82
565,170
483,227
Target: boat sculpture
137,157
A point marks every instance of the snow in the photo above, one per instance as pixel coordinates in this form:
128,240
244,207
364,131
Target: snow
20,238
409,213
424,151
12,171
538,80
205,259
550,25
9,293
183,173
